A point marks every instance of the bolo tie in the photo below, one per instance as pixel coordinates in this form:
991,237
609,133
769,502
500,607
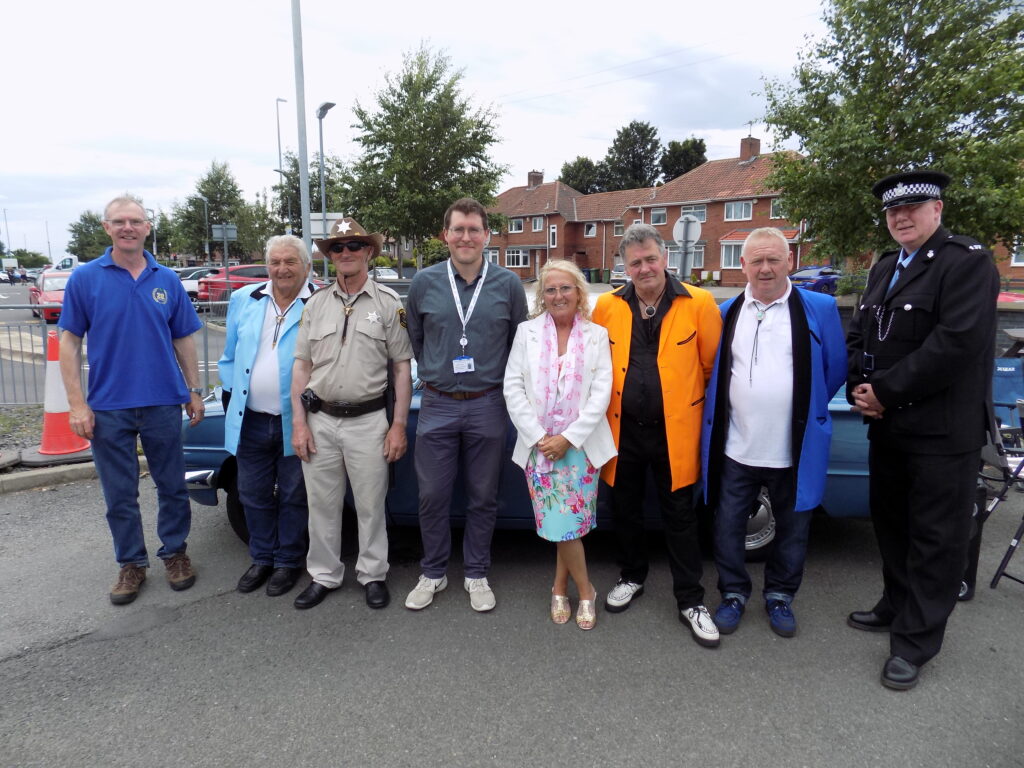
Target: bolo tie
762,310
349,306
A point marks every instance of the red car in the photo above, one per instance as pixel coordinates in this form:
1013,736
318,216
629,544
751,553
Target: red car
213,287
48,289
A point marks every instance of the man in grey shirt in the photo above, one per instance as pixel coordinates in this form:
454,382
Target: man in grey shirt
462,316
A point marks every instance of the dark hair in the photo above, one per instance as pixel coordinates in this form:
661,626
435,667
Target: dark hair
467,206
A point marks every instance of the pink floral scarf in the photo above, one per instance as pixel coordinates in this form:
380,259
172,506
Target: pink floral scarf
557,414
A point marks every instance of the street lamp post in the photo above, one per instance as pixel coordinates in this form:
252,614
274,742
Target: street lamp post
280,161
206,231
321,111
152,220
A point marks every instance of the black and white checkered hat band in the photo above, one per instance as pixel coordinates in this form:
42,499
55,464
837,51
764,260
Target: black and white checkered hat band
919,189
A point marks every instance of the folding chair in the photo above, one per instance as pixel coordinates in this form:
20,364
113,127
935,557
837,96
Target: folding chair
1007,459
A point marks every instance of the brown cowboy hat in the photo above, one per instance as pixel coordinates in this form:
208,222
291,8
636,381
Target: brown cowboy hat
349,229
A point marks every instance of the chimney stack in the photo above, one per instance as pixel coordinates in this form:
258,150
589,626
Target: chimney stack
749,147
534,179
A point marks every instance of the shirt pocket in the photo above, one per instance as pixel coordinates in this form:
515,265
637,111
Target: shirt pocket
323,341
914,316
372,330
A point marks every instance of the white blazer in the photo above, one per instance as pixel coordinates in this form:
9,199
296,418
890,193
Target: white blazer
590,431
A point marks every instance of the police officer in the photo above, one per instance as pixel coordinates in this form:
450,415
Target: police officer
349,331
920,358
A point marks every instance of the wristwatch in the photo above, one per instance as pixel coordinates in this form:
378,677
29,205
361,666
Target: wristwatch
196,390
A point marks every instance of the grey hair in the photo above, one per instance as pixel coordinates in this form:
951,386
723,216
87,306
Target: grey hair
124,200
764,233
638,234
288,241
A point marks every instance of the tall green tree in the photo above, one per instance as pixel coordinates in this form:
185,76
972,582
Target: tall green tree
899,84
337,182
583,175
424,145
225,202
88,238
256,224
29,259
633,159
680,157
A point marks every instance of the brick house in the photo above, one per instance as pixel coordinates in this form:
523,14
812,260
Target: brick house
553,220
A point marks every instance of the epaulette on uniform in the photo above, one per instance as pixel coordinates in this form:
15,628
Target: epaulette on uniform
389,291
967,243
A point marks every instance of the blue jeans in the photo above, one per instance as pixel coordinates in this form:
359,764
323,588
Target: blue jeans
737,495
117,464
272,492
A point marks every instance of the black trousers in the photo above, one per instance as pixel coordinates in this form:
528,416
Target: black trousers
642,447
921,506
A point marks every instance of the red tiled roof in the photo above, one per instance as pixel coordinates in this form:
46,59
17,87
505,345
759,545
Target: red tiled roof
605,206
728,179
740,235
552,197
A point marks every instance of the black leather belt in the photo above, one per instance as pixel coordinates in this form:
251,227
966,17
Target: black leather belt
348,410
461,395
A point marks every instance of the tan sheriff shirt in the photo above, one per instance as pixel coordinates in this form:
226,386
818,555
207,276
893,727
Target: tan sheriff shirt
355,370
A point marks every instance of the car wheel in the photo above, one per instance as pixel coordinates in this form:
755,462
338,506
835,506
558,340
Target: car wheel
760,529
196,305
236,512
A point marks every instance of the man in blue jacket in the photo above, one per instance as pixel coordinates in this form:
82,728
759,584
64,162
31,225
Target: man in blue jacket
766,424
256,372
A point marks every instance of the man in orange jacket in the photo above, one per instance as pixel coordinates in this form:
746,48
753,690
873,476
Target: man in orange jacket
663,337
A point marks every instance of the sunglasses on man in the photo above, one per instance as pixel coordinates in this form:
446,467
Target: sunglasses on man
350,245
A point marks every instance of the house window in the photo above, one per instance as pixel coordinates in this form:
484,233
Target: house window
638,221
731,256
553,236
515,225
741,210
590,229
538,223
491,254
698,257
675,259
517,257
777,212
658,216
617,228
700,211
1017,259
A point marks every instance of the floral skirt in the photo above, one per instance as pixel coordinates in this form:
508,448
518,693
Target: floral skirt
565,499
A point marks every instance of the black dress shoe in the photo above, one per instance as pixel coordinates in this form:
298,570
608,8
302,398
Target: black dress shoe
282,580
869,621
377,594
899,674
312,595
253,578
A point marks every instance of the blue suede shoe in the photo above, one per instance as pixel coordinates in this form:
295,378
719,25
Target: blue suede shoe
728,615
781,618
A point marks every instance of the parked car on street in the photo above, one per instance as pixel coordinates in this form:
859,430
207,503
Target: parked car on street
48,288
383,273
209,468
190,277
821,279
618,276
214,286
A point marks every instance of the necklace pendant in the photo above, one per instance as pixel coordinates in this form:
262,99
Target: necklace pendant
760,315
348,311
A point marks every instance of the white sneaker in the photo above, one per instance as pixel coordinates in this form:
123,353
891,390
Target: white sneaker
423,593
480,595
702,627
621,595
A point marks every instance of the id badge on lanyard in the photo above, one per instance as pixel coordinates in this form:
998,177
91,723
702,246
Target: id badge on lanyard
464,363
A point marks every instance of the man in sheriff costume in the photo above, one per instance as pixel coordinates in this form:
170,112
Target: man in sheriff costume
920,358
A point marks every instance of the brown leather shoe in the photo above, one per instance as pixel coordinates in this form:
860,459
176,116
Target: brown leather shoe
180,574
129,581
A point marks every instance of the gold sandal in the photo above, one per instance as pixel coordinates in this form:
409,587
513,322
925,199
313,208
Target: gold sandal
586,614
560,610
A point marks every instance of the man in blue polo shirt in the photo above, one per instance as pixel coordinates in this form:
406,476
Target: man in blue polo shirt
139,322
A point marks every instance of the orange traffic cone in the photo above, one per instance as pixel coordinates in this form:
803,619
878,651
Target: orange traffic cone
60,445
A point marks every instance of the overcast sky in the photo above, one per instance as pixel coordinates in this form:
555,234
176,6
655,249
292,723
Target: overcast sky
100,98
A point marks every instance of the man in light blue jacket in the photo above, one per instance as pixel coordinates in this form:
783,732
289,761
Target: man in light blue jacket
256,372
766,424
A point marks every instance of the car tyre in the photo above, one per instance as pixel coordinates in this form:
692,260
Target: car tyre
760,529
236,512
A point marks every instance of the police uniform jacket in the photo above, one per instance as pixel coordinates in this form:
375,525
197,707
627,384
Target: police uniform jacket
927,347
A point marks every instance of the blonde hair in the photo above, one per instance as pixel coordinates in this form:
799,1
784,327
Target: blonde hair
582,293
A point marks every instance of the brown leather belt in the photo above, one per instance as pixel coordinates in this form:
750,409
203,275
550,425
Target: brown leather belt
461,395
348,410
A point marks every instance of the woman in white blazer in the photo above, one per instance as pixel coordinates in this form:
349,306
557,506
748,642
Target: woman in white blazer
558,382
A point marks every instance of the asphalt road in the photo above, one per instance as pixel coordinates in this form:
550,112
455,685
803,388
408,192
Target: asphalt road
209,677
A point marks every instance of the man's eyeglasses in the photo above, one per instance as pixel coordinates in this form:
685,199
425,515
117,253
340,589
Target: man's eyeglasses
122,222
565,290
474,232
350,245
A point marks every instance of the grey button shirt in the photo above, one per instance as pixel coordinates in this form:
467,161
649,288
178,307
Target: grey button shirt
435,328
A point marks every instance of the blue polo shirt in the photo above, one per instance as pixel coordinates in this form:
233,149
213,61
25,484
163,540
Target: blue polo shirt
129,326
